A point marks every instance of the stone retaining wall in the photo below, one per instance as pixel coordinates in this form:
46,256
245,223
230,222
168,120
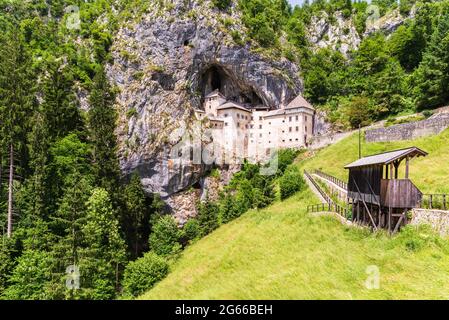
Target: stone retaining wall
437,219
408,131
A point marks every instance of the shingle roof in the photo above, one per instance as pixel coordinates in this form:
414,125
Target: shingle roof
214,93
230,105
387,157
299,101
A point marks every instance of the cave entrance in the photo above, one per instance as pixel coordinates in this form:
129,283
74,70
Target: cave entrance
217,78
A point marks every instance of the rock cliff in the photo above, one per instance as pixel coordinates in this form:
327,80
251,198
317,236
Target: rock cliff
164,64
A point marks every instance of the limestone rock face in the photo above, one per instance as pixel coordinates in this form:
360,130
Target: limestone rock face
164,65
338,33
387,24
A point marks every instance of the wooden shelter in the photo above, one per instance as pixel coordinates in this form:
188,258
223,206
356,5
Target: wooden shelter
379,197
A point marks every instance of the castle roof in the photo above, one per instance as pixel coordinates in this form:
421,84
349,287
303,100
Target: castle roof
215,93
232,105
299,101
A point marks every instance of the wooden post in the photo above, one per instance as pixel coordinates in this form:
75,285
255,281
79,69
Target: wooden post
386,171
389,220
406,167
396,166
391,171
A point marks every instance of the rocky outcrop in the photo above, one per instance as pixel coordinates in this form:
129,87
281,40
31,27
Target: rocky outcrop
387,23
336,32
163,67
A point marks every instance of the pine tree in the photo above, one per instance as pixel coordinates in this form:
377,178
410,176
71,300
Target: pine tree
137,214
60,105
16,103
105,250
102,119
432,76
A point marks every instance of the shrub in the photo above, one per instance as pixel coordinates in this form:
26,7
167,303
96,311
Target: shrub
192,230
207,217
285,158
290,182
221,4
165,236
142,274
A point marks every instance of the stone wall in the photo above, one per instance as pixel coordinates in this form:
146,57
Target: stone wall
437,219
409,131
321,141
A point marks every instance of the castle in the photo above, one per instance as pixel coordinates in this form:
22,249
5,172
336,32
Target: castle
255,132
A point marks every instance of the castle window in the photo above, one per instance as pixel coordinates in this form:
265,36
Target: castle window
269,122
238,116
226,124
289,119
283,121
290,129
260,118
296,139
290,140
297,128
305,118
225,115
306,128
238,124
252,126
260,135
297,118
260,126
252,118
283,140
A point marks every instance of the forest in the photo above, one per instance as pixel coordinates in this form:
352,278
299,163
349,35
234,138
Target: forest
63,199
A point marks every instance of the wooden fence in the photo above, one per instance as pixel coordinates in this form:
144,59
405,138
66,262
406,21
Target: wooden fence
342,184
435,201
330,205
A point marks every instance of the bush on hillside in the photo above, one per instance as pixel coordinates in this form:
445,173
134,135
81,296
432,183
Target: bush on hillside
143,273
165,236
191,230
207,217
285,158
291,182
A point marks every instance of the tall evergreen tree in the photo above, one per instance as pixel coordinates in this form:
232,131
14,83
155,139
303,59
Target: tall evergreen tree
137,214
16,103
60,105
102,120
105,251
432,76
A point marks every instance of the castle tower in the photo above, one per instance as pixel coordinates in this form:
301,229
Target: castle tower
212,101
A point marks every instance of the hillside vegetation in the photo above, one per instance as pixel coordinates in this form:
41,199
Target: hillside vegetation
430,174
282,252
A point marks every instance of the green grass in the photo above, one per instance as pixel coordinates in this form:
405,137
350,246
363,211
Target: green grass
282,252
430,174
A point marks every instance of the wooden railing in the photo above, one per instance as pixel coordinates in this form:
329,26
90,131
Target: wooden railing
435,201
317,186
342,184
330,204
330,207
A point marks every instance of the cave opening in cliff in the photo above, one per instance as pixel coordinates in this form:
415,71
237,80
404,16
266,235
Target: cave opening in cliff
216,77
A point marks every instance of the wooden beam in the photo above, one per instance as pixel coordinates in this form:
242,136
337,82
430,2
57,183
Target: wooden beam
407,161
365,205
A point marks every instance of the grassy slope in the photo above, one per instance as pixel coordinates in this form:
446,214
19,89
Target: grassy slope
281,252
430,173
